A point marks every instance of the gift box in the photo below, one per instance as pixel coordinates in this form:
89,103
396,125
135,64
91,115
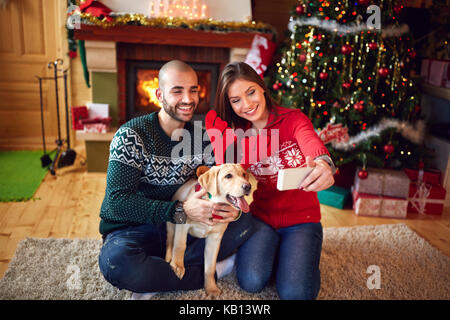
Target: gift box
383,182
436,72
97,125
379,206
334,196
430,176
426,198
78,114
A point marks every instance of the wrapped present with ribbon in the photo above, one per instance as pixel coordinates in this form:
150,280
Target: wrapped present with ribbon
425,198
430,176
383,182
379,206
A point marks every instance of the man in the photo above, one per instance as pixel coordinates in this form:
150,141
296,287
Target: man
141,180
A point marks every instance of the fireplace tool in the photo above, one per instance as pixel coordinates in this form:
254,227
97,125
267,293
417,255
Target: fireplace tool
62,157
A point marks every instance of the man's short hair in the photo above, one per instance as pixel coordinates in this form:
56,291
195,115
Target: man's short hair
177,65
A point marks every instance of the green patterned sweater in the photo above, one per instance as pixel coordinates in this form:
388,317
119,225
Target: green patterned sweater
143,174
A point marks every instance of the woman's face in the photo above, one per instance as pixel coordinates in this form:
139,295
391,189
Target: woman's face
247,100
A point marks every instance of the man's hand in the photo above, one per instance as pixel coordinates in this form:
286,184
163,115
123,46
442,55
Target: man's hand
198,209
202,211
226,211
320,178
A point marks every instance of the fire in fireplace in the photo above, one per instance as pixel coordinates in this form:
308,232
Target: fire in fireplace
142,82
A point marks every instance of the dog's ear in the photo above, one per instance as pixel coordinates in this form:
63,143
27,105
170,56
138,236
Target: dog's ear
208,181
201,170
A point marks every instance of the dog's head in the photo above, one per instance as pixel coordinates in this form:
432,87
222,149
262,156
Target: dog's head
227,181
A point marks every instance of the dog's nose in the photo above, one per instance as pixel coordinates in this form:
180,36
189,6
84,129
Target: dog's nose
247,187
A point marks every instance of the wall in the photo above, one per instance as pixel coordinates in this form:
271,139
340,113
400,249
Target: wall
229,10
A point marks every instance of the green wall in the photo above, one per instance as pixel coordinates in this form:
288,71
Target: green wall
104,90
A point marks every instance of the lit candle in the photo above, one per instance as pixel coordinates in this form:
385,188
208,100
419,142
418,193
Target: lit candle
204,11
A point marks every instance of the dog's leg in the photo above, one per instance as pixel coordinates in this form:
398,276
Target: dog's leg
212,247
179,247
169,241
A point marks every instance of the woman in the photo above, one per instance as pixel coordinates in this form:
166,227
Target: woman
288,240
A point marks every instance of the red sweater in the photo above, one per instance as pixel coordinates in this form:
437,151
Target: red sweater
297,139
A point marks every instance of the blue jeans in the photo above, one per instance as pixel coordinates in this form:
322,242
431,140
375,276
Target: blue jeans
291,255
133,258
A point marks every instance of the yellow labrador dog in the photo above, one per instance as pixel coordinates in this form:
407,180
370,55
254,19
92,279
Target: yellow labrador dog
227,183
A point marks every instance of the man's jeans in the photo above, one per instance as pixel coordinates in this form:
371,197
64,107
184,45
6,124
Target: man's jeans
133,258
291,255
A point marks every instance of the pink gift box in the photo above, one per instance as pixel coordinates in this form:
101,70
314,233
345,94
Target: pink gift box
379,206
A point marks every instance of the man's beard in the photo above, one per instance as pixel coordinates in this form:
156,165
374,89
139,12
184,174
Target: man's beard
172,110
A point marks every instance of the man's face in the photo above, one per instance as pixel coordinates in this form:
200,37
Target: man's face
179,95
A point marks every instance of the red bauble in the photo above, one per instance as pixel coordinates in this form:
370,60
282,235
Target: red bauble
275,86
323,76
363,2
358,107
362,174
373,45
389,148
383,72
346,85
302,57
412,54
346,49
417,109
398,9
300,9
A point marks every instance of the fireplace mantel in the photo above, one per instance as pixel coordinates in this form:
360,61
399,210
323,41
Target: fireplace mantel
168,36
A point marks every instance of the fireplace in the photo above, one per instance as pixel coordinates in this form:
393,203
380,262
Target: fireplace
142,82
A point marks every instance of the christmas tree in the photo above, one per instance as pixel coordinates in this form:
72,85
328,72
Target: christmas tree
347,66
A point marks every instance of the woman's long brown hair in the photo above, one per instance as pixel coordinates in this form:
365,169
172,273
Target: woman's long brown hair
232,72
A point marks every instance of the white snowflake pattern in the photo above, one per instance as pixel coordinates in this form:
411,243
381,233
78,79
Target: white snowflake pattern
293,157
274,164
256,168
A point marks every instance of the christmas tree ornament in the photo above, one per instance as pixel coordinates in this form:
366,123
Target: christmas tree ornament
389,148
363,174
398,8
346,85
412,54
373,45
383,72
323,76
358,106
417,109
363,2
346,49
300,10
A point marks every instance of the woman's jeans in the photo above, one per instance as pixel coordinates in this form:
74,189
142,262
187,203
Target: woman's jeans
133,258
291,255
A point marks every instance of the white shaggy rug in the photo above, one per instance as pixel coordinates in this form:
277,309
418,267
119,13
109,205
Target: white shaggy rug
404,266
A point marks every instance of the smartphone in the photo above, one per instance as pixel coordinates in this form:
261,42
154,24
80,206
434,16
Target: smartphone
292,178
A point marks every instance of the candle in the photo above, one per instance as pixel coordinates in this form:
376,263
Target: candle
204,11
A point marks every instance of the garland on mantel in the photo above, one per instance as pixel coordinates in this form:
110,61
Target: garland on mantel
173,22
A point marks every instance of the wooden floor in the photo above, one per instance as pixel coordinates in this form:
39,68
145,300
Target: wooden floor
68,205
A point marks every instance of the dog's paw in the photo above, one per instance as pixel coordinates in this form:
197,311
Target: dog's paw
179,270
213,291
